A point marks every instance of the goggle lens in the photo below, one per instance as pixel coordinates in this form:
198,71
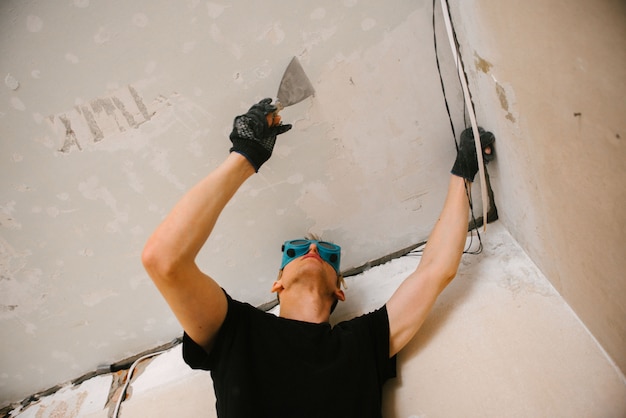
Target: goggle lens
329,252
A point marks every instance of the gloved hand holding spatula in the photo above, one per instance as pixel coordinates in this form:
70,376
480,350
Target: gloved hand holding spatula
254,134
253,137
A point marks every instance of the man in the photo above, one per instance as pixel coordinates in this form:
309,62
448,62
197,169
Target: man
295,365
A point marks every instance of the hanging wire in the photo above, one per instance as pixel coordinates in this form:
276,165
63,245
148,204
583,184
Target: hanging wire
129,376
474,226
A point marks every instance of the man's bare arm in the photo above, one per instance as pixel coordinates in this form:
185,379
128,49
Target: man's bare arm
169,255
413,300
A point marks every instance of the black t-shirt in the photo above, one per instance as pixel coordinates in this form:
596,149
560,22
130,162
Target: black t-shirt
266,366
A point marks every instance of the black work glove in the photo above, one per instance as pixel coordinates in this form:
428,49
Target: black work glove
252,137
466,164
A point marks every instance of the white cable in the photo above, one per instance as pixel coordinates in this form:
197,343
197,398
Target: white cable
116,411
470,110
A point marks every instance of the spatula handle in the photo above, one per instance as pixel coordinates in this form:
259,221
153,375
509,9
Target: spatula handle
273,118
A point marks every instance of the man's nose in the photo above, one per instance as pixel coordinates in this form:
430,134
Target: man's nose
313,247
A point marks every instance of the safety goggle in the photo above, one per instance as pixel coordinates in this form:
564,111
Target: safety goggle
329,252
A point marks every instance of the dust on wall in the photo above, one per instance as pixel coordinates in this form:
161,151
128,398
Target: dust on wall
110,111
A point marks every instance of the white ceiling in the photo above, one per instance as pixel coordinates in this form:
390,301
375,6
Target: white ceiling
110,111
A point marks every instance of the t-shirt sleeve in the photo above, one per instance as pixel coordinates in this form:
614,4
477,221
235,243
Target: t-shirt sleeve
193,354
373,331
387,368
196,356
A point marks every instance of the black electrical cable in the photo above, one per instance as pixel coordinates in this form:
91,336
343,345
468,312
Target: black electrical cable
456,145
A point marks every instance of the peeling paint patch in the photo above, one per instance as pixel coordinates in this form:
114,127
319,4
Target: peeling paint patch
482,64
485,67
11,82
504,102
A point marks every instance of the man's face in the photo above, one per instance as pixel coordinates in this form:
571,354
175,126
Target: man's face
312,266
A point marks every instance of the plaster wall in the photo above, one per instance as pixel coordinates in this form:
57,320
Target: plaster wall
500,341
111,110
550,79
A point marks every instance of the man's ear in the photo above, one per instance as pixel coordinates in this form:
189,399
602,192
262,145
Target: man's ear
277,286
340,295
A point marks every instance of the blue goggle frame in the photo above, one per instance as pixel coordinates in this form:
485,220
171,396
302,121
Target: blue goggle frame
329,252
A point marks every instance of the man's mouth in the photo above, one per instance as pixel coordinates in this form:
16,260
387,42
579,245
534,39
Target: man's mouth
314,255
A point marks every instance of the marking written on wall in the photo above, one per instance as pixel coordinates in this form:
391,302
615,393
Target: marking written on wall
92,122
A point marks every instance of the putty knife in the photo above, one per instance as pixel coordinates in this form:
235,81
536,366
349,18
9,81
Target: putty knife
294,88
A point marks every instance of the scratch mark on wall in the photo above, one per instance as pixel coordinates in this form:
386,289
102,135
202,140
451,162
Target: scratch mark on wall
139,102
91,122
106,116
70,136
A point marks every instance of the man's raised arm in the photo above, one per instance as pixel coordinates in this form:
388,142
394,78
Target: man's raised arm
413,300
169,255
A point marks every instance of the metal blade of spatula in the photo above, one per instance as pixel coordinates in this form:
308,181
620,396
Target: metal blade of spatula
294,86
